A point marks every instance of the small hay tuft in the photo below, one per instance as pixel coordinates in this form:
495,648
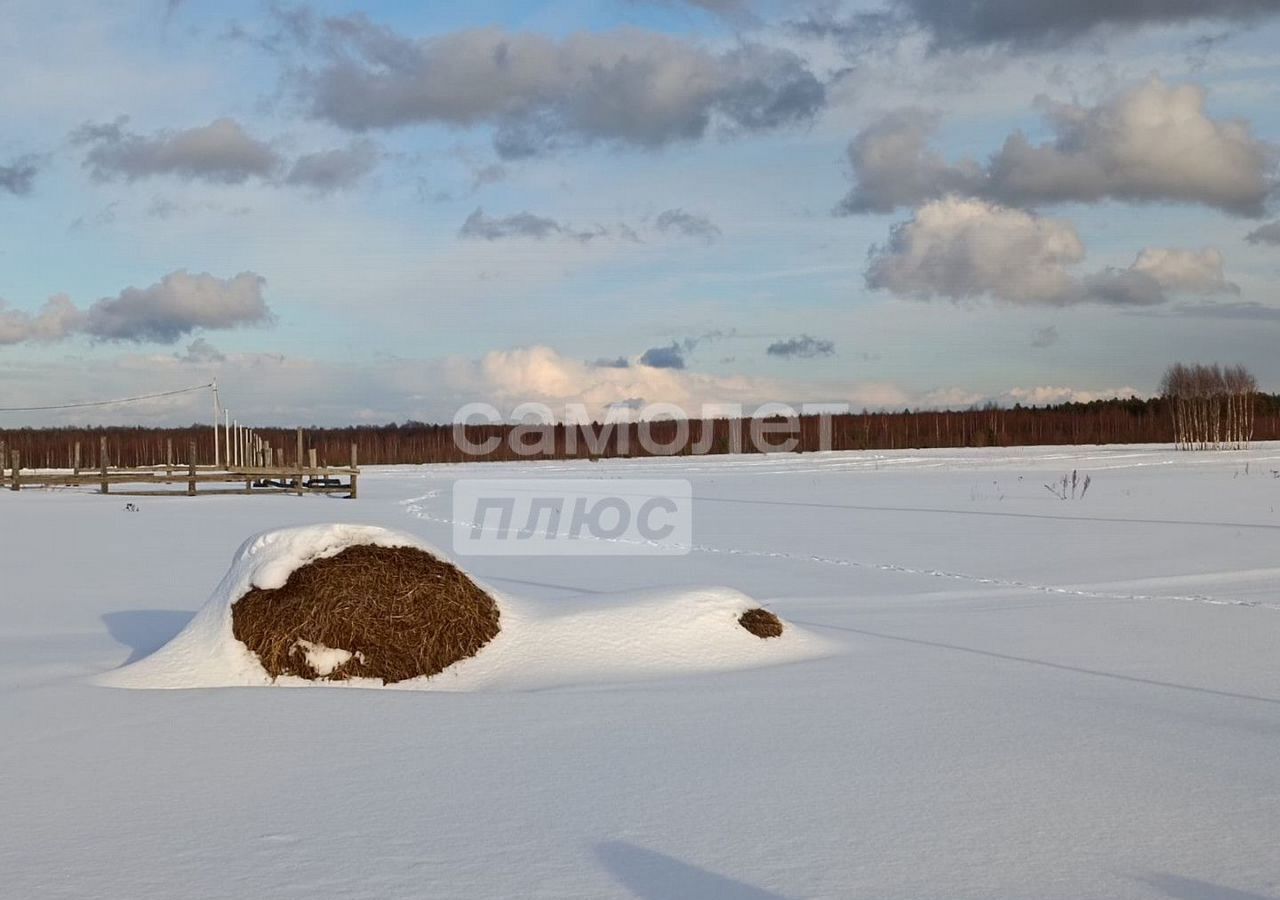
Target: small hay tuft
391,613
761,623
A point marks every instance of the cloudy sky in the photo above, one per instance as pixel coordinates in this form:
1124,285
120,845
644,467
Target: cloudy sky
352,212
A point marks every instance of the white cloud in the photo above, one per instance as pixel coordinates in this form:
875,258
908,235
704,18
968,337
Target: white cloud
176,305
962,249
1153,143
1186,271
220,152
57,319
1042,395
633,87
270,389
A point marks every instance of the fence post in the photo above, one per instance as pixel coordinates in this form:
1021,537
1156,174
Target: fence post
300,462
75,463
191,470
4,459
17,465
168,457
102,463
355,471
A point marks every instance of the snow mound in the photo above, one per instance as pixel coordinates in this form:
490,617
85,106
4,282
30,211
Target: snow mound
588,640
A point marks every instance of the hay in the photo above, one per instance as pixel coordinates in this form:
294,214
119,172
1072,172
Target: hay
369,612
761,623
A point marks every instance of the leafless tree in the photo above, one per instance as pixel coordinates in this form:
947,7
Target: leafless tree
1212,408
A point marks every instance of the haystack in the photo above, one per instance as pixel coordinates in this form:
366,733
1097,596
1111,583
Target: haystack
761,623
389,613
363,606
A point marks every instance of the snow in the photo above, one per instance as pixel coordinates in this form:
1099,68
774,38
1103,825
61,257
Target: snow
322,660
206,654
574,641
996,694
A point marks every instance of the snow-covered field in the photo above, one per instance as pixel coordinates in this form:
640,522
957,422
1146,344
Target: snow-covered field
1017,696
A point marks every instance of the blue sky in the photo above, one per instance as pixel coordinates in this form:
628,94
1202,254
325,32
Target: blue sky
379,211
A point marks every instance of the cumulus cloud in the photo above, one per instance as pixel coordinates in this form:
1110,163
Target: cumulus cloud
688,224
19,174
1186,271
893,165
1157,273
1266,234
432,390
1153,143
1052,395
57,319
332,170
1040,23
670,357
803,347
961,249
1118,287
162,313
628,87
542,374
221,152
178,304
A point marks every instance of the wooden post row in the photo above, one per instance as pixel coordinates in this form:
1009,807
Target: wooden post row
191,470
355,469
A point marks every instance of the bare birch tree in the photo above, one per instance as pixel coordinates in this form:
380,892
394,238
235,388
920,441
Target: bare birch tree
1212,407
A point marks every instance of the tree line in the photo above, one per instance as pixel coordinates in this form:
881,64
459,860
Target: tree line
1185,418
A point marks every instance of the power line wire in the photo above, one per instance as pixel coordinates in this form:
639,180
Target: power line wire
201,387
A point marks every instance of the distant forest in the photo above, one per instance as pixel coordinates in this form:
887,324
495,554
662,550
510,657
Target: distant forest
1130,421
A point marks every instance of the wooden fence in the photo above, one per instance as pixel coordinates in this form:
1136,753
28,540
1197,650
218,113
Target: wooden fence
267,472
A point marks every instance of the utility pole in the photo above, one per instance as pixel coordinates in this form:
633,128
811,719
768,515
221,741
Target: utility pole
217,448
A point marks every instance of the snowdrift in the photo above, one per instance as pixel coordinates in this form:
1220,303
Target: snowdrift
584,640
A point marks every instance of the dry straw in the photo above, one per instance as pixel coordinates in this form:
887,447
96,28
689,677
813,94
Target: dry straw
761,623
400,612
